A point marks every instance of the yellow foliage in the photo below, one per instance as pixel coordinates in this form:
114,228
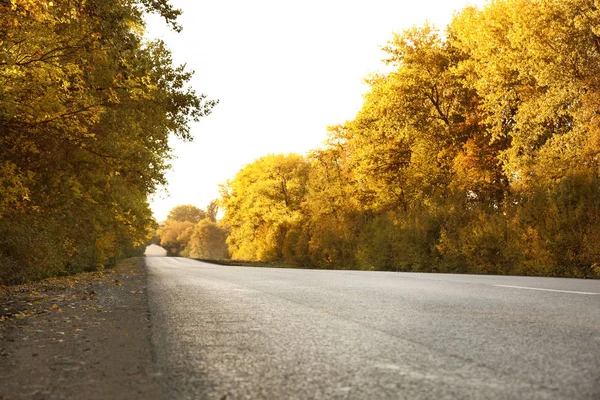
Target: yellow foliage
479,152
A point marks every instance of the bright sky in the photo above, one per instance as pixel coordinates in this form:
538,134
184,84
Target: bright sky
282,70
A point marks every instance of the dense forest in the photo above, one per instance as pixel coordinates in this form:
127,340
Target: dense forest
86,108
478,153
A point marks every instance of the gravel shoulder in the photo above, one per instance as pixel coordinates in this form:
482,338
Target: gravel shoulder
84,336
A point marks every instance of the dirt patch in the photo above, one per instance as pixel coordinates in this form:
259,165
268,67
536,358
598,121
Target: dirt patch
85,336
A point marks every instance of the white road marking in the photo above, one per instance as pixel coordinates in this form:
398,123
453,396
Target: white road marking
545,290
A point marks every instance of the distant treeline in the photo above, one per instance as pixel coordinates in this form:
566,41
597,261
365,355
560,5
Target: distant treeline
86,108
192,232
478,153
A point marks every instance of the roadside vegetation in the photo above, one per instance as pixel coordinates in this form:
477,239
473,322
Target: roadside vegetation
86,108
478,153
192,232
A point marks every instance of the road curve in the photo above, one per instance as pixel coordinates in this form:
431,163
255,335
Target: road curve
224,332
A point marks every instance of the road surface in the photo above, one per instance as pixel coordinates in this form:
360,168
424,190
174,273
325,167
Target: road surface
223,332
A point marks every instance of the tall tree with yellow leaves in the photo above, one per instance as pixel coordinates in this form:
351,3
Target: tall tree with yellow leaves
86,108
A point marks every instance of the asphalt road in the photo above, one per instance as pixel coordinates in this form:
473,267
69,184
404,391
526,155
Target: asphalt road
259,333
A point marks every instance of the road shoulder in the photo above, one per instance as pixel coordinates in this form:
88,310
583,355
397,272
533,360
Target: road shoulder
85,336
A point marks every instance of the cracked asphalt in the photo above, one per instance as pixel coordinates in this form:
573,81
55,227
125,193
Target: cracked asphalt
222,332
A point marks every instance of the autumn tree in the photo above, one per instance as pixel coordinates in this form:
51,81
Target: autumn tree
332,207
539,94
262,205
212,210
187,213
191,232
176,232
208,241
87,106
478,152
175,236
